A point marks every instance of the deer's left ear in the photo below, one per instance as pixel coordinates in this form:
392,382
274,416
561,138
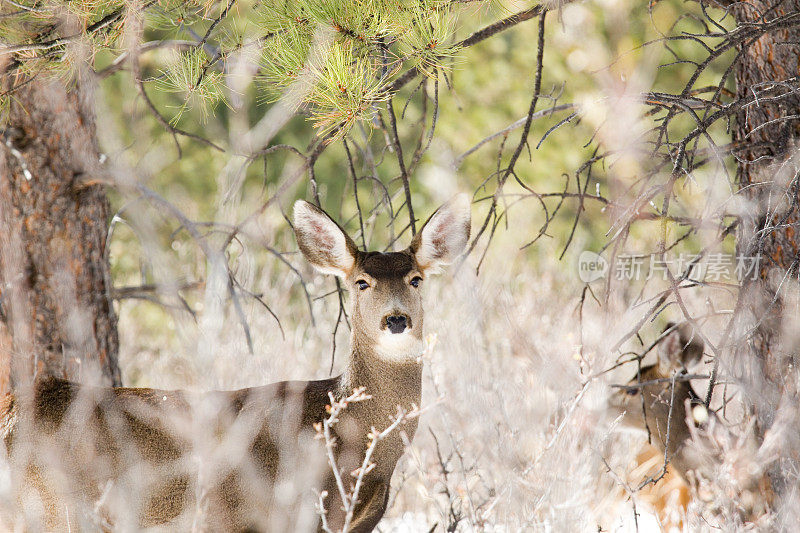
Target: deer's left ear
445,235
680,347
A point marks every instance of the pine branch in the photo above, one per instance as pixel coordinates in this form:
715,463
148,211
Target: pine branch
475,38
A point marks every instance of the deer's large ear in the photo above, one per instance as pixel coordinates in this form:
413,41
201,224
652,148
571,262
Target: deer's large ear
680,347
323,243
445,235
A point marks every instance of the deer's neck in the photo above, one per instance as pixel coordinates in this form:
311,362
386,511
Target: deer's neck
665,407
391,384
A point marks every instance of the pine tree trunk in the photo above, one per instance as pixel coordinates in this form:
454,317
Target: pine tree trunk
56,317
767,173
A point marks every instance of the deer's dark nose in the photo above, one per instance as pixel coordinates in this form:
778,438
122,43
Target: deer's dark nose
396,323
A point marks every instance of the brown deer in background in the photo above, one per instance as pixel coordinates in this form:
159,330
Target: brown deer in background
88,458
690,439
655,402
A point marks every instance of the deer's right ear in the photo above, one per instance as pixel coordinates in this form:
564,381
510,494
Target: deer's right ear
323,243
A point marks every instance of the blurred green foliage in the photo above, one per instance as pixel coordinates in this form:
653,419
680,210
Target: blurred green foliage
602,56
593,52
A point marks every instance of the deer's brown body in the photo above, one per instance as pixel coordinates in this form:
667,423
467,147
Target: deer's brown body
280,417
237,460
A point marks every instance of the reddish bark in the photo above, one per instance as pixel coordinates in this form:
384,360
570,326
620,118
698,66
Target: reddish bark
767,174
57,318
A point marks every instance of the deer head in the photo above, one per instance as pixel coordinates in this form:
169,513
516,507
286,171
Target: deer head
647,403
386,298
680,347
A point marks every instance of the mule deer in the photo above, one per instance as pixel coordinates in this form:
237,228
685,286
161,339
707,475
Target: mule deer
133,455
656,400
689,437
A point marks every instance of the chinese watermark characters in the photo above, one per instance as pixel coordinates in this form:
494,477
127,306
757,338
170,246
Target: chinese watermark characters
639,267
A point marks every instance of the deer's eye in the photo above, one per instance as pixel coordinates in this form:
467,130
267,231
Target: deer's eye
415,281
362,285
632,391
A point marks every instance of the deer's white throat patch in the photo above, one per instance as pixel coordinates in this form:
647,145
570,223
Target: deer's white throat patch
398,346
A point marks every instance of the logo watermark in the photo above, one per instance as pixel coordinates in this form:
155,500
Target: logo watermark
591,266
